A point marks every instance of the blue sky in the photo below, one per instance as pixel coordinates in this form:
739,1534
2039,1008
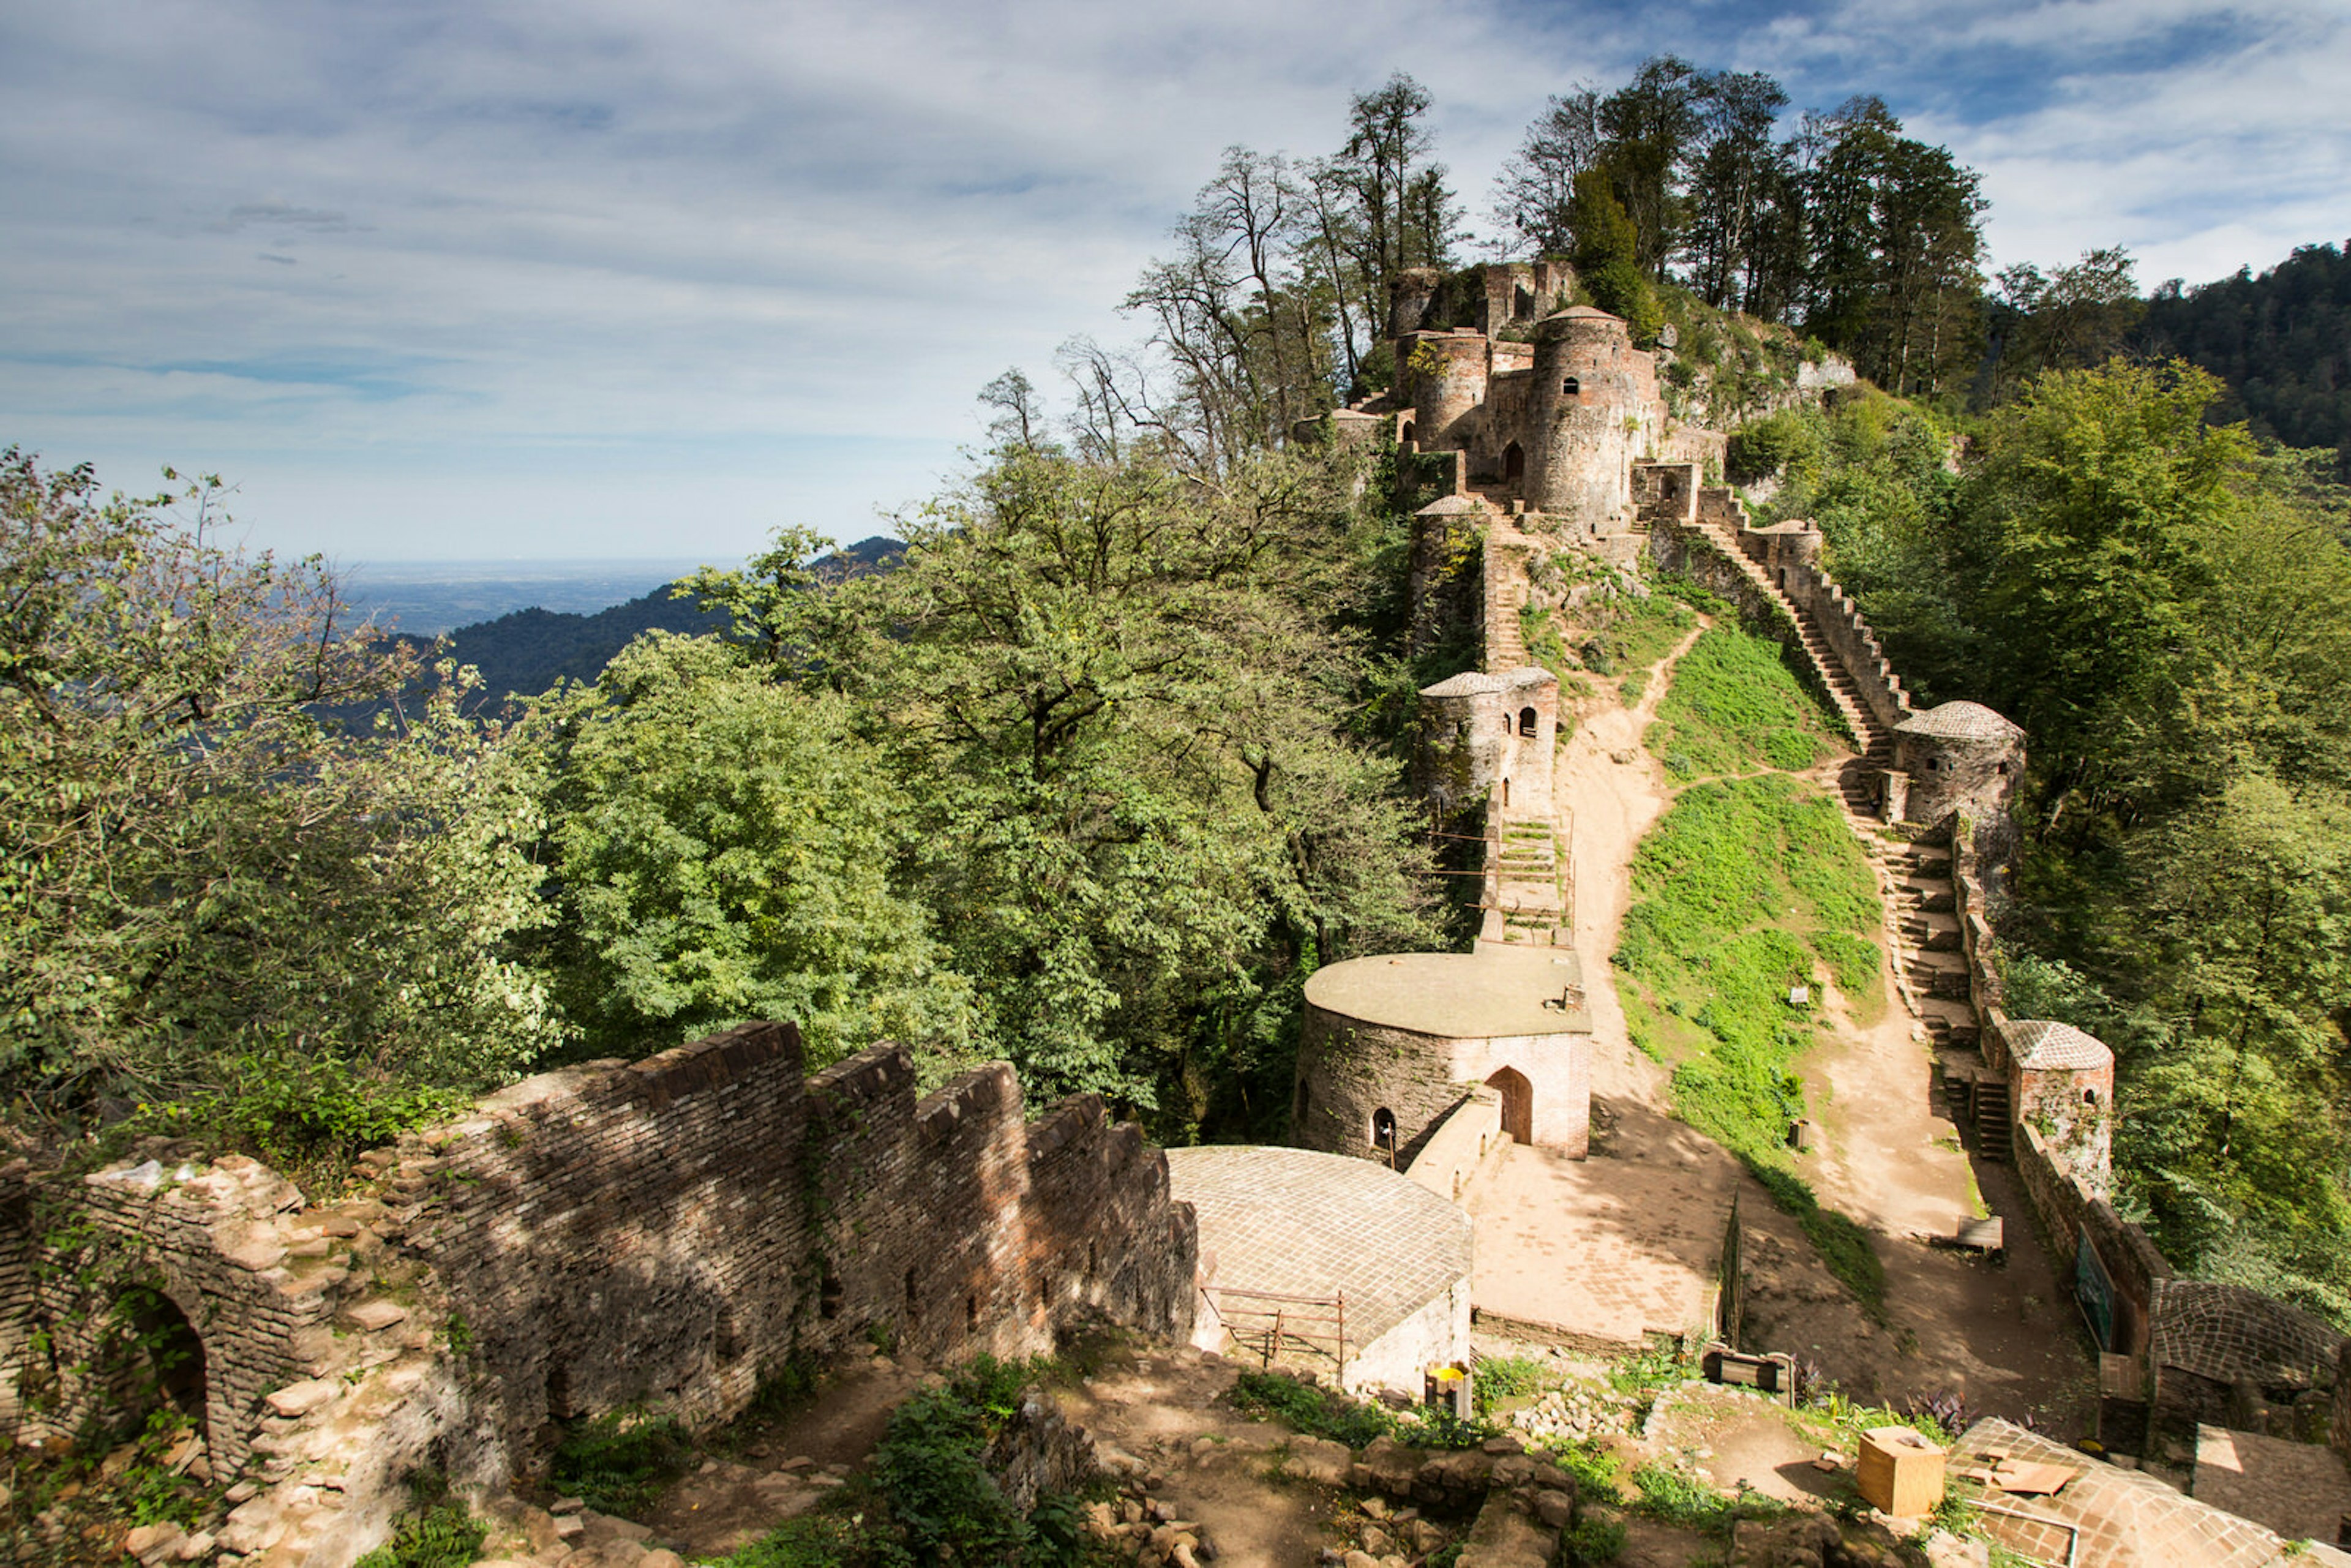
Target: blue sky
614,278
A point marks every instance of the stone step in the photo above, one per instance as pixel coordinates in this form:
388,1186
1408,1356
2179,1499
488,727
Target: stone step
1951,1023
1930,893
1931,932
1939,974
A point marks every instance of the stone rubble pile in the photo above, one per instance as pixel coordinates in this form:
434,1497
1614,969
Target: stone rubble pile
1575,1413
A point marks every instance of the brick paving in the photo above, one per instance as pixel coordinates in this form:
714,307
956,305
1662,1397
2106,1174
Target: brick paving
1607,1250
2126,1519
2299,1489
1312,1224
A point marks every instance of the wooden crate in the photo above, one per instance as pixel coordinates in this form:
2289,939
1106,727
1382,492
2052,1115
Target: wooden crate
1901,1471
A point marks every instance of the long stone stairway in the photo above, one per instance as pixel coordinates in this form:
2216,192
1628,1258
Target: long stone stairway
1924,925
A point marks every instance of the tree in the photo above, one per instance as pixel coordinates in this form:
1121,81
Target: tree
1606,257
1738,179
1115,719
723,848
206,883
1535,189
1651,124
1381,205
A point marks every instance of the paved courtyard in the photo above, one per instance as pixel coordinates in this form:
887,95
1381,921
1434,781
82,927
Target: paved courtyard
2299,1489
1607,1250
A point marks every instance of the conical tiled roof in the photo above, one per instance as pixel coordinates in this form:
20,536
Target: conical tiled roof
1959,721
2044,1045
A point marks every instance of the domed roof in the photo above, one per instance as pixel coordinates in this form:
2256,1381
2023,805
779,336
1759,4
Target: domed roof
1450,506
2044,1045
1959,721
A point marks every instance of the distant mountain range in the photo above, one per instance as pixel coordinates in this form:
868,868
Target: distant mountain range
528,651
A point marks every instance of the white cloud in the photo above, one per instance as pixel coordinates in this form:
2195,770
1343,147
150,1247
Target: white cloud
490,237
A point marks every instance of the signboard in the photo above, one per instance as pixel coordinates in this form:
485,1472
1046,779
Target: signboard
2094,1290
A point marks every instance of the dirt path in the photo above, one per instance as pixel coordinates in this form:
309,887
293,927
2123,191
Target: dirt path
2002,1337
1608,791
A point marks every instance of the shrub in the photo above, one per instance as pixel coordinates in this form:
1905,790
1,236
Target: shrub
619,1462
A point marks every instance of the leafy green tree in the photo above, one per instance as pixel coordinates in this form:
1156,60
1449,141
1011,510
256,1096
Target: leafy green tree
723,847
1116,718
206,883
1606,260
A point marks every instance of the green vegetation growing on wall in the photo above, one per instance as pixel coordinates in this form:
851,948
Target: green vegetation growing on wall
1734,707
1741,891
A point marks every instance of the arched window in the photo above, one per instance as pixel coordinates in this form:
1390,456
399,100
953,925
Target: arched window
2089,1096
1527,721
1571,386
1411,433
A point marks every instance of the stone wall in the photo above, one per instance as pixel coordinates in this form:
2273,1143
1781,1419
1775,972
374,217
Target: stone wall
1349,1070
2339,1428
667,1232
1462,1146
675,1230
209,1239
1857,648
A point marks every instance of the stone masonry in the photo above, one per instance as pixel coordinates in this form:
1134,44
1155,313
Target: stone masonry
667,1232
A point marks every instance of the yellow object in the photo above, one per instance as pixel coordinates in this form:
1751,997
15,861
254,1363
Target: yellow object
1901,1471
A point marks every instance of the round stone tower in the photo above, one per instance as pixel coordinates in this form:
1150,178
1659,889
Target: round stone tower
1960,755
1445,374
1590,409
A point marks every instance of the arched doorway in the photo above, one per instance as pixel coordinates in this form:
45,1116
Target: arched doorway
1515,462
1384,1136
1518,1103
1409,434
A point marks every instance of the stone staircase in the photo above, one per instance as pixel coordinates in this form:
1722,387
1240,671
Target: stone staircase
1994,1135
1923,923
1530,900
1506,591
1874,743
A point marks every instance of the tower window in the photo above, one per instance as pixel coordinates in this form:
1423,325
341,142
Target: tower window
1571,386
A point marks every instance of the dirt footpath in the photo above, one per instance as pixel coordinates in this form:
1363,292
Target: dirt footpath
2005,1338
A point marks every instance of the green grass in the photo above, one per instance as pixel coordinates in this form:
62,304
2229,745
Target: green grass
1736,708
1503,1378
1322,1413
1740,892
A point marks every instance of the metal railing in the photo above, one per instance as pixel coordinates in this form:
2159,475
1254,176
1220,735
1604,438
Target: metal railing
1277,1327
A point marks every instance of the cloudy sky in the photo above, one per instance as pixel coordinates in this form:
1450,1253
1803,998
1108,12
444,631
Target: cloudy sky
483,279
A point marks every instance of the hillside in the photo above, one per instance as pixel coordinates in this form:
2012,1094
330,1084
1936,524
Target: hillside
528,651
2281,341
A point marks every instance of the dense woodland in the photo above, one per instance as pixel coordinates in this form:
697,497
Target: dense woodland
1114,756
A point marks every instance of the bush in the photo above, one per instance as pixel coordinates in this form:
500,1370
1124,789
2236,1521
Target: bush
619,1462
1323,1413
437,1533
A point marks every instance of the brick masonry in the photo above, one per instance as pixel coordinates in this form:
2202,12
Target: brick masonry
669,1231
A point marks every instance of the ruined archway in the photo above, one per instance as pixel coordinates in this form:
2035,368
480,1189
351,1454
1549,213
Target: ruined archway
1518,1103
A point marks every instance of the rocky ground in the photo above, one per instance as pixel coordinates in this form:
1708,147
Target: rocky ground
1185,1479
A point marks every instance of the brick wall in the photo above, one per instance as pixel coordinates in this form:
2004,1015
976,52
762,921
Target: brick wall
205,1237
666,1231
677,1229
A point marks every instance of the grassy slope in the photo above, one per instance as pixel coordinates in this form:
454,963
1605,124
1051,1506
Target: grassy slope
1748,887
